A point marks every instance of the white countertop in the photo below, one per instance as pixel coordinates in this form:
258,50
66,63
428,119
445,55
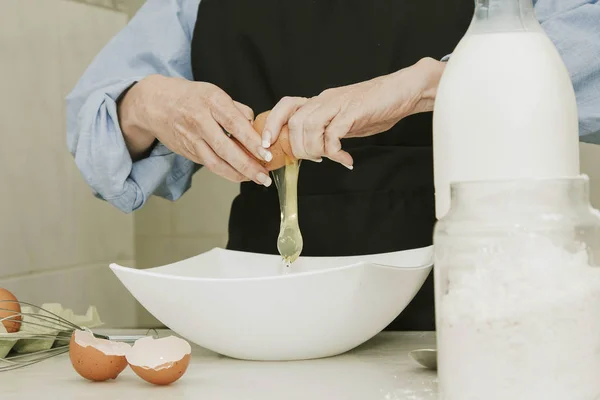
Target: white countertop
379,369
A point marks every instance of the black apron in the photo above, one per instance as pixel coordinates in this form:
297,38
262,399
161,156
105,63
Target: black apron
262,50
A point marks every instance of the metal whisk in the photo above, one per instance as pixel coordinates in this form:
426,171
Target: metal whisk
39,325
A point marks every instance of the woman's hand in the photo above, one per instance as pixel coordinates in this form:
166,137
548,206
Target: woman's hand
191,119
317,125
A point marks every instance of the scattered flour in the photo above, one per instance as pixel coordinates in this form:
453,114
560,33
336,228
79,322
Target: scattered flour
525,327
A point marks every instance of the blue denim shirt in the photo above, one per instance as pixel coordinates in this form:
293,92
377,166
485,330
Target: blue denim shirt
158,40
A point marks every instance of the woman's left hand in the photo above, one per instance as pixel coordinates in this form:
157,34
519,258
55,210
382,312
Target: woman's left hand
318,124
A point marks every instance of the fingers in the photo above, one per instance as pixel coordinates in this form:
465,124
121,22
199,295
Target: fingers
338,128
278,117
215,163
233,154
314,129
296,127
235,122
245,110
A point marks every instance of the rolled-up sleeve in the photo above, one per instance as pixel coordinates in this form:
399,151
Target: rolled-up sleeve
574,28
156,41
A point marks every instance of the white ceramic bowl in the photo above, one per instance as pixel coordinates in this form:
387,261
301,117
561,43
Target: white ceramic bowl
244,306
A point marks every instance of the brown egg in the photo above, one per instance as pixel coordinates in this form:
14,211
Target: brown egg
160,361
281,149
11,310
97,359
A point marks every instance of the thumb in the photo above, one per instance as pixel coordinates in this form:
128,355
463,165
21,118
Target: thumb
278,117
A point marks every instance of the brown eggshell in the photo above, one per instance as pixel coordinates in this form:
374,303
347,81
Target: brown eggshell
281,149
93,364
9,308
164,374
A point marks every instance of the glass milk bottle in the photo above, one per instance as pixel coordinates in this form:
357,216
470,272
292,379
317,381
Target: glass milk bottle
505,107
517,282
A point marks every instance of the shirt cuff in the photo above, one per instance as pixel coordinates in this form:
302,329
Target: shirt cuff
100,152
163,173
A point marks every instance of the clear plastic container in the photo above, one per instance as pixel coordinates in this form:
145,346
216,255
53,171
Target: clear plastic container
517,275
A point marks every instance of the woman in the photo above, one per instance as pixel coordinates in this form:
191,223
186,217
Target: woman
203,71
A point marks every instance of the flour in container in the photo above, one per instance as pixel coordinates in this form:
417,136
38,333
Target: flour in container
523,326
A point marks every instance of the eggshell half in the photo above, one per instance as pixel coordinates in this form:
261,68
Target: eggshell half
97,359
160,361
281,149
11,310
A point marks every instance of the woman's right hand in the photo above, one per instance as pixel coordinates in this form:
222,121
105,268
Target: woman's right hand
191,119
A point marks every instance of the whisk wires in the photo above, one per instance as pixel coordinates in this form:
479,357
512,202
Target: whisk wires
42,334
35,324
43,318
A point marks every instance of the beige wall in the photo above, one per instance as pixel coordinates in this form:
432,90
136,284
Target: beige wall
169,231
590,165
127,6
130,6
56,240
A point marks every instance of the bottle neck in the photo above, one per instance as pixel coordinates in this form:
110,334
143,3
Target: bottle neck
494,16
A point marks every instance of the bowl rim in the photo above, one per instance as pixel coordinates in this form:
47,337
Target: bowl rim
151,272
154,274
